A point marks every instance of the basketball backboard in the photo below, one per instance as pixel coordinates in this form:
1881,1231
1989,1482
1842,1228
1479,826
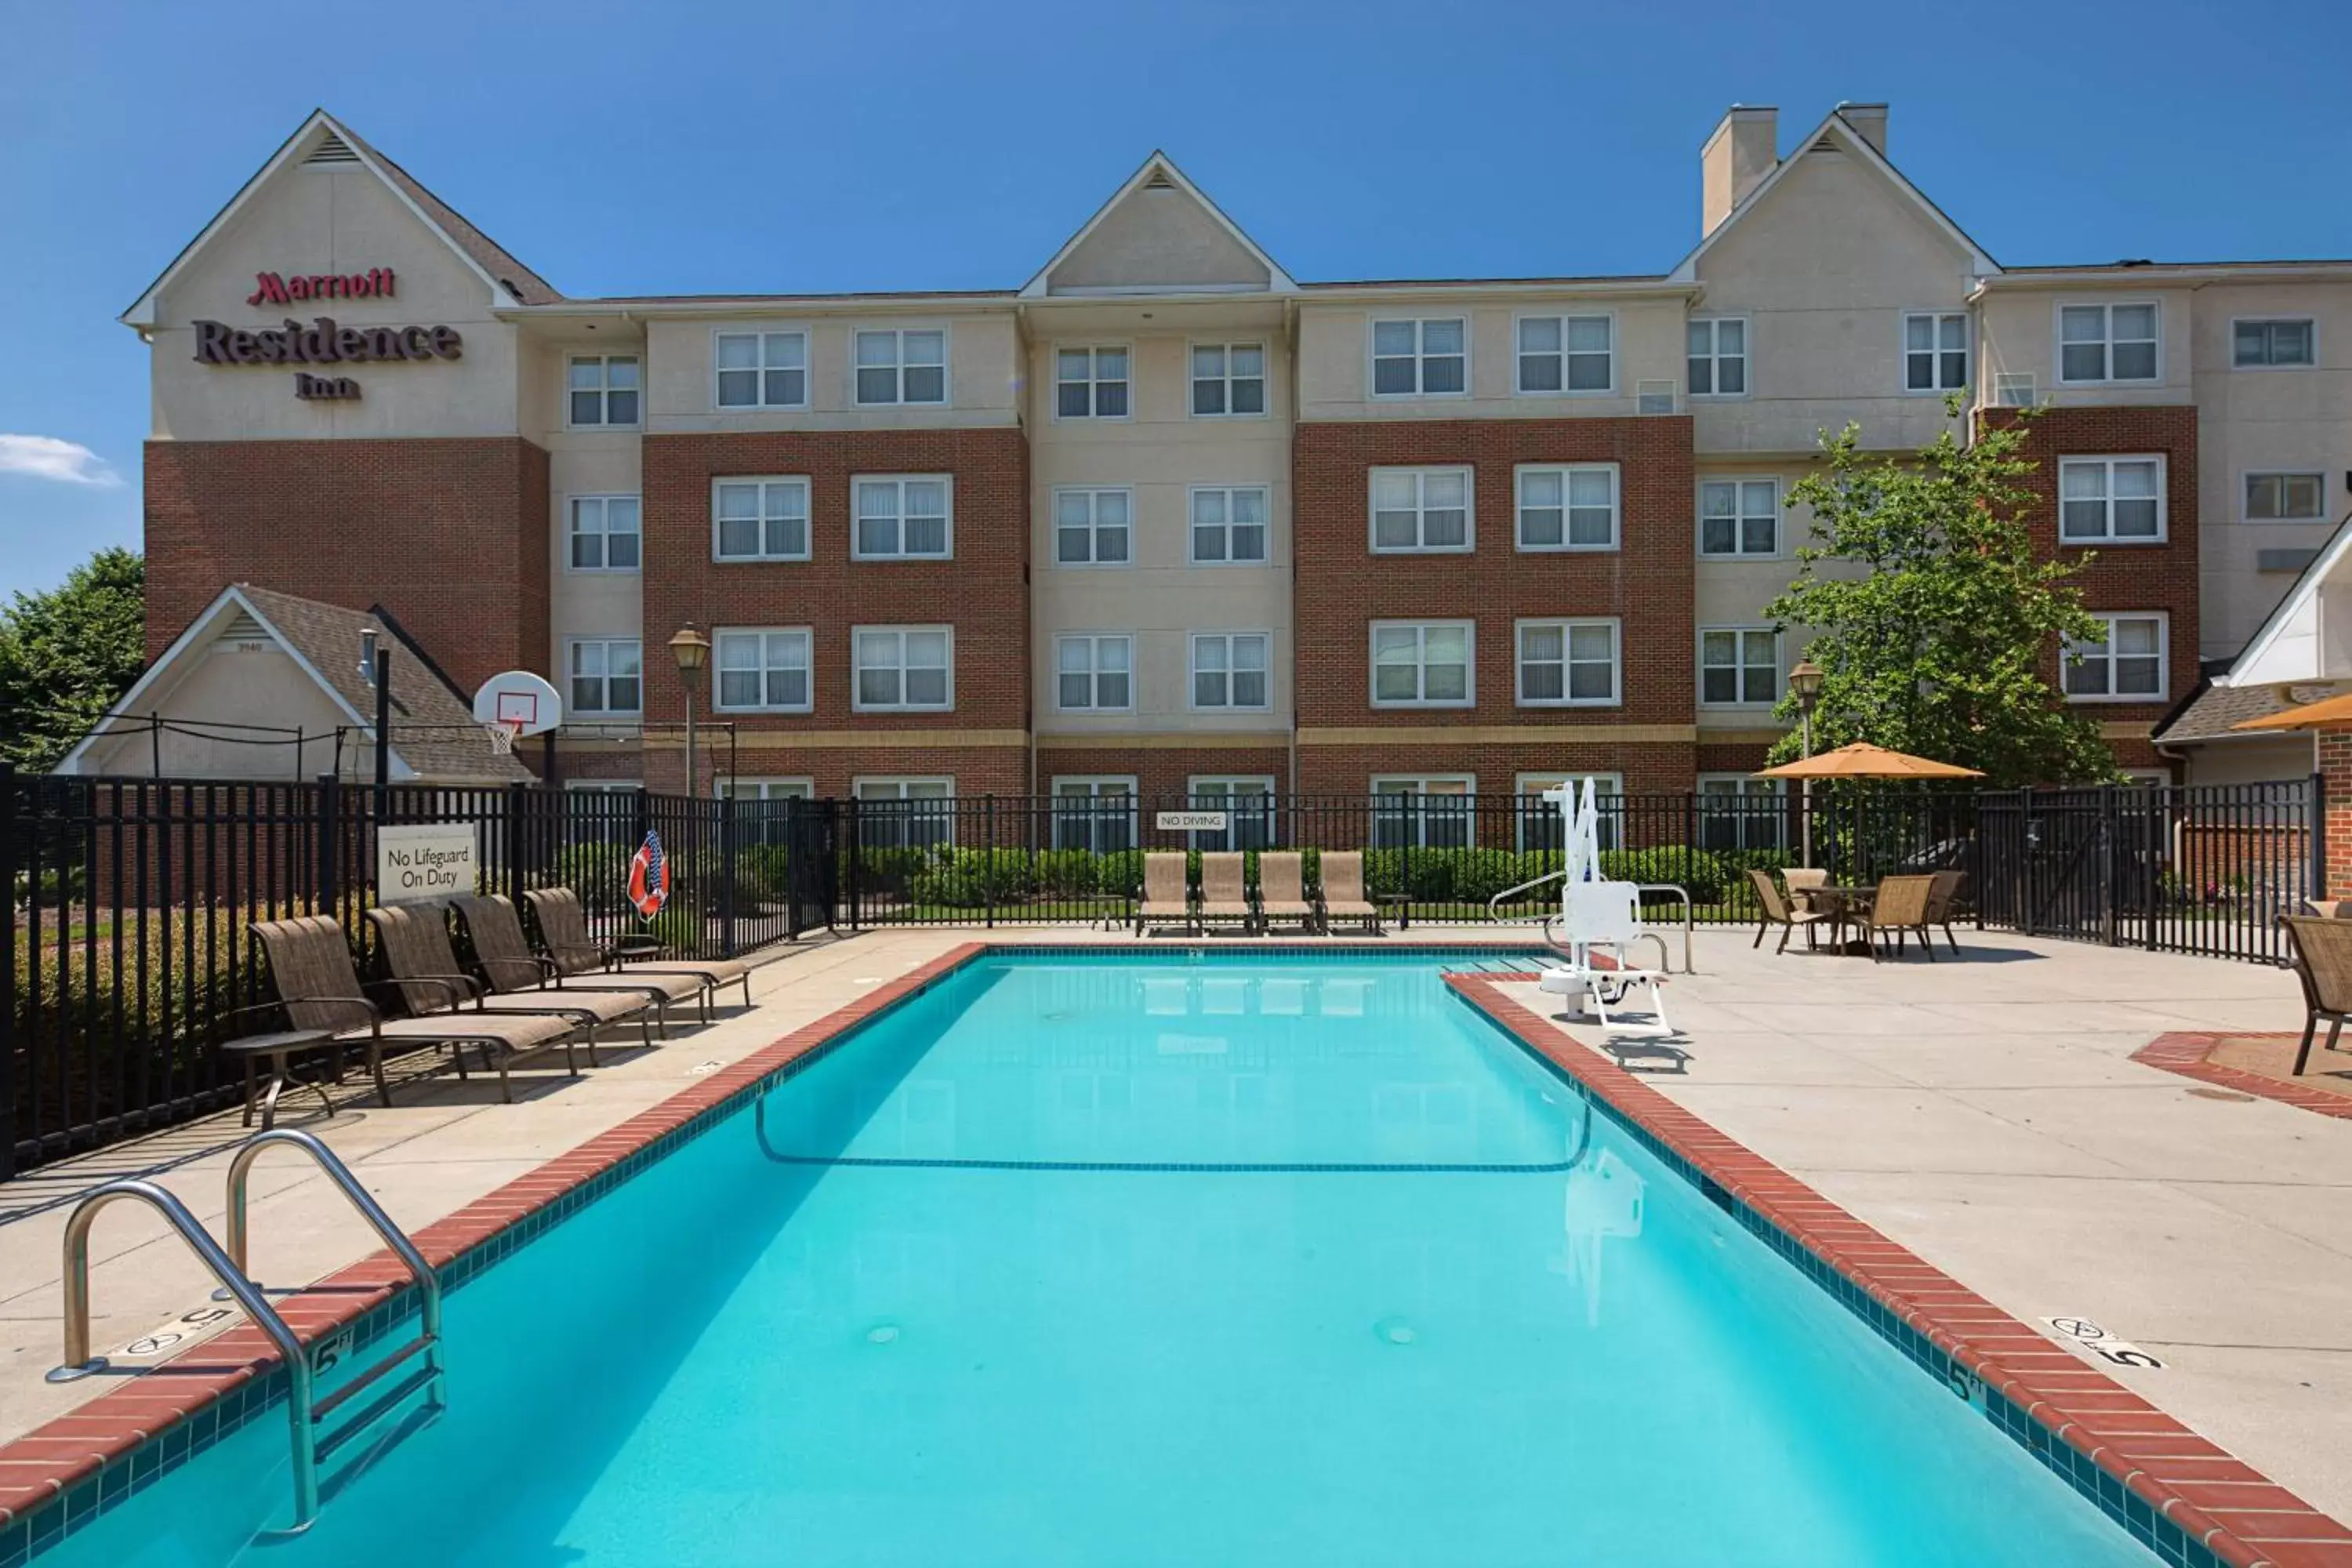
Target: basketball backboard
519,700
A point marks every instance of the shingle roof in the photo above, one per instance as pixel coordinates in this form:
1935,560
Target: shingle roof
2208,715
527,286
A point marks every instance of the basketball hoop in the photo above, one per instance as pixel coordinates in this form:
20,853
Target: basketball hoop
502,735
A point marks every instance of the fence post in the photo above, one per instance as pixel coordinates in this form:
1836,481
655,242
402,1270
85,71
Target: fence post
512,830
8,966
2316,816
728,853
329,897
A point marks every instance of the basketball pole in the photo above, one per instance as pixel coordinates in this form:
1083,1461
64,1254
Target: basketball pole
382,724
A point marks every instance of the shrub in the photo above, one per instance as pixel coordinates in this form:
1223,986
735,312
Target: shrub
1696,871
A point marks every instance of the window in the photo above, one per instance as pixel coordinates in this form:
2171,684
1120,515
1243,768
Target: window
1935,353
603,811
1228,525
905,812
902,366
1090,527
2273,343
2118,500
2107,343
608,674
760,520
1094,674
1736,811
770,824
1739,517
1248,804
1229,669
2285,498
762,670
1420,509
1421,359
1567,664
1739,667
604,389
1539,824
1421,665
1228,378
903,667
1566,353
1090,383
1429,812
2127,666
1096,813
1568,507
606,534
906,519
604,787
761,369
1717,365
767,789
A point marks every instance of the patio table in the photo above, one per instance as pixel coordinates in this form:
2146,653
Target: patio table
1840,904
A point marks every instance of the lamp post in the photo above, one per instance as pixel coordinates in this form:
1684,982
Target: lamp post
692,651
1805,684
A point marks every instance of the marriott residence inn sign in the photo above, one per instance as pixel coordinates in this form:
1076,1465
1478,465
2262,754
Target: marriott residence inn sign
323,341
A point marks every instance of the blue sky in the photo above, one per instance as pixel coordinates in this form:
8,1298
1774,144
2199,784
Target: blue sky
639,148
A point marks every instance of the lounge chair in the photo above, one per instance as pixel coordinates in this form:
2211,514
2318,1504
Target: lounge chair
2323,962
1281,888
1166,900
504,955
1342,886
1900,906
565,925
414,941
319,988
1944,899
1774,910
1224,896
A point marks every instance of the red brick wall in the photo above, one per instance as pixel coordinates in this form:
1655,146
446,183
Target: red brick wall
1649,766
2336,769
1165,774
449,535
977,770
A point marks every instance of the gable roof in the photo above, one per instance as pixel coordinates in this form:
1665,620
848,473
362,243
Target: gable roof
509,281
1837,129
2269,655
1157,171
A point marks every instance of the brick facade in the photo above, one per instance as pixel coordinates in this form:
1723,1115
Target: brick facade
1163,773
448,534
2335,770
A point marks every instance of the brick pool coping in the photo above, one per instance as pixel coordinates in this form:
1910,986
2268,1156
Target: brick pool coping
2045,1394
2185,1053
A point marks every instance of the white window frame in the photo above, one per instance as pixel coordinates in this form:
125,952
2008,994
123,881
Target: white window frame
1263,378
1192,556
572,676
765,483
603,389
572,532
1099,787
857,703
1535,784
604,787
1094,380
899,367
1739,483
760,336
1567,626
1519,387
1936,354
1420,474
1192,642
2109,540
1095,671
1714,358
857,482
901,783
1421,357
2245,497
765,787
1469,697
1567,472
1202,791
1745,822
2310,324
911,831
1417,786
2107,342
2163,692
1740,647
807,636
1093,561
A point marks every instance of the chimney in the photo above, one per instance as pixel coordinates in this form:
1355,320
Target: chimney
1744,147
1869,121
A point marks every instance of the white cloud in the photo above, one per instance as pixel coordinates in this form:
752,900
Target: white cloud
49,458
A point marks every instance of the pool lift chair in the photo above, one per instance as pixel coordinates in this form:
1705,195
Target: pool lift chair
1594,933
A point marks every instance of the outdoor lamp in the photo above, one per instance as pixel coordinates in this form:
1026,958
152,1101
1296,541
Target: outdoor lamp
1805,685
692,651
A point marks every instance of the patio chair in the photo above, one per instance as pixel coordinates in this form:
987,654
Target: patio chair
414,941
1804,878
505,956
1224,898
1775,911
319,988
1900,906
563,923
2323,963
1167,898
1281,888
1943,899
1342,888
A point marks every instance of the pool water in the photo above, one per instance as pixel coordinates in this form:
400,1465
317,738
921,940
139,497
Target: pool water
1133,1261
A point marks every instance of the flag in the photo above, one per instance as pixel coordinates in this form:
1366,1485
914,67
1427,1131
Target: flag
649,877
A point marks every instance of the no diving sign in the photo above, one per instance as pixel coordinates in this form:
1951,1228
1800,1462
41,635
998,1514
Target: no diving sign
425,860
2086,1336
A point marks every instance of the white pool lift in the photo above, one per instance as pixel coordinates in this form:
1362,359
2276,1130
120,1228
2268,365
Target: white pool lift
1597,924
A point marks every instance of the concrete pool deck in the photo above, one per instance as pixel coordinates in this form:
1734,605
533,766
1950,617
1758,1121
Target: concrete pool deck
1985,1113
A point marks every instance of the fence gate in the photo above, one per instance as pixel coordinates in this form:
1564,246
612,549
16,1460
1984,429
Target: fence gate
812,865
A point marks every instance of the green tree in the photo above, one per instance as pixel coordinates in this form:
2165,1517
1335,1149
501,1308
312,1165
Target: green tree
1932,614
66,655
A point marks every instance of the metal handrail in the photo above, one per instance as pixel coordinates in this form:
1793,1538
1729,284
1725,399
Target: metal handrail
1496,902
428,1283
1665,956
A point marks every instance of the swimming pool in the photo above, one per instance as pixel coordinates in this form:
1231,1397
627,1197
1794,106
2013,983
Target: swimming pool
1083,1259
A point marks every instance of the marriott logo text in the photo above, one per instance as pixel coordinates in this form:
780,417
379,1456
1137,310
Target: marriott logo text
272,289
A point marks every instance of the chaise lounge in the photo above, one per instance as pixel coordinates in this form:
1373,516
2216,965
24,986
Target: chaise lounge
565,925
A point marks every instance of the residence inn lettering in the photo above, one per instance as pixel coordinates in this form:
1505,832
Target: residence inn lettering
323,342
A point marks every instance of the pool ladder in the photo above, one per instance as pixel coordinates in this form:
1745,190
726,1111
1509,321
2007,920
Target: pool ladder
305,1413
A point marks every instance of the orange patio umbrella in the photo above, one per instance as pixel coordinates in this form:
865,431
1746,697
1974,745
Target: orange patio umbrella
1861,760
2310,716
